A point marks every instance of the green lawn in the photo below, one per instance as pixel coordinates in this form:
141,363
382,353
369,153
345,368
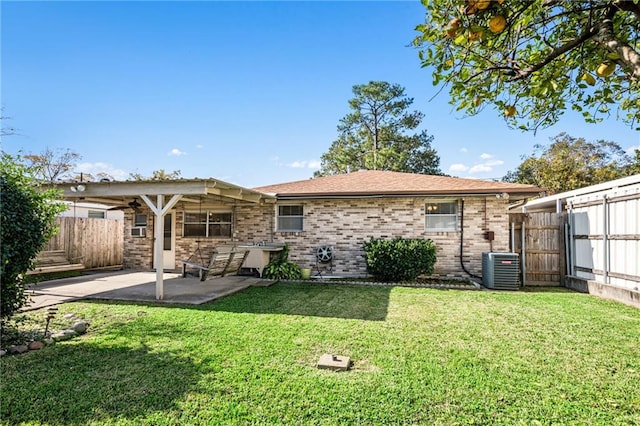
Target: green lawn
421,356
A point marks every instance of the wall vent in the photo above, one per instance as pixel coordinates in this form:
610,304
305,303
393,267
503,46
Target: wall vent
500,271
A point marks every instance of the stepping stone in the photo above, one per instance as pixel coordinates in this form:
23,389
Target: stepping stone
334,362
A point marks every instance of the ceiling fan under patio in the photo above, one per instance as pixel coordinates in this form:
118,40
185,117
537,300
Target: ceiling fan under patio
135,205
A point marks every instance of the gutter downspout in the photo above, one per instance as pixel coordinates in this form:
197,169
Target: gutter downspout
464,268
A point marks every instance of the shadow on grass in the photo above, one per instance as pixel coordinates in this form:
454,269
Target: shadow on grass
540,289
307,299
318,300
82,383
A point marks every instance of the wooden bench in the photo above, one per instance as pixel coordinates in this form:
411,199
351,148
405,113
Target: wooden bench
220,264
54,261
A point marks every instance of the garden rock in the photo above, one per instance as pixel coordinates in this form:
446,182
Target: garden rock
69,316
48,341
35,346
3,352
80,327
63,335
18,349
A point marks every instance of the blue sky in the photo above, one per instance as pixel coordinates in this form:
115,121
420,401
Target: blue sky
247,92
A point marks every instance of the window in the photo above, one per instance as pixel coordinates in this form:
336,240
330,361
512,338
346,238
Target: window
290,218
96,214
139,229
207,224
441,216
219,224
140,220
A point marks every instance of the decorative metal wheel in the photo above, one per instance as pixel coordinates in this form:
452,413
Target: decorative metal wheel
324,253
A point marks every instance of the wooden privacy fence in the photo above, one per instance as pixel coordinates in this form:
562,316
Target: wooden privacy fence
542,234
96,243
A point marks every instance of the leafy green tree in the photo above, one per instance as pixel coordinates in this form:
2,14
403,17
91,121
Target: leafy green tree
160,174
571,163
532,60
26,224
634,167
380,134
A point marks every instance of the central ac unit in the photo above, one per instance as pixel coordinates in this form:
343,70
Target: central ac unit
500,271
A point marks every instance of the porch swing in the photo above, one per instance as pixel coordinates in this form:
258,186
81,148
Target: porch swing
217,264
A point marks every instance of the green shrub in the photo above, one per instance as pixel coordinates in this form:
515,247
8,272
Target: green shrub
399,259
26,224
281,269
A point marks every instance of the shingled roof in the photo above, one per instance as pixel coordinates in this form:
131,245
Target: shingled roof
377,182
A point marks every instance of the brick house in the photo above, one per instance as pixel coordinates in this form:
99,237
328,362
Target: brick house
346,210
342,211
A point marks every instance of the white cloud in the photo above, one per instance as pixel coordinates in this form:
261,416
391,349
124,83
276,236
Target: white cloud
632,149
458,168
484,166
199,146
95,168
480,168
298,164
464,150
313,164
176,152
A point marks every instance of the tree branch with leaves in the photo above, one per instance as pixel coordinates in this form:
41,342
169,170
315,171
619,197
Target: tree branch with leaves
569,163
533,60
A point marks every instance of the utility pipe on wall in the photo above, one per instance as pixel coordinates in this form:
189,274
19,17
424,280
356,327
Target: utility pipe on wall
464,268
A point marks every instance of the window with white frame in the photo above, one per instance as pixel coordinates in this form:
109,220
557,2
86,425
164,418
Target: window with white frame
441,215
290,218
95,214
207,224
140,220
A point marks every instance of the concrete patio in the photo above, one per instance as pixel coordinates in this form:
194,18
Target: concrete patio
138,287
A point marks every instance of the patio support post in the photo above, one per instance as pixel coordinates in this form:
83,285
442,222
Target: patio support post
160,211
159,261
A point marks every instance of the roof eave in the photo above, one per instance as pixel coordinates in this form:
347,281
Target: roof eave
380,194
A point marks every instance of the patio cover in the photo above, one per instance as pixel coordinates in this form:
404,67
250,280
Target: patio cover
160,197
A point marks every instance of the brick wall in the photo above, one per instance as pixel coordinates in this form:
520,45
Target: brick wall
346,224
138,251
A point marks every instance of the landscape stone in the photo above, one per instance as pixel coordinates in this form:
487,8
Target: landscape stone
35,346
48,341
2,352
69,316
80,327
334,362
63,335
18,349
